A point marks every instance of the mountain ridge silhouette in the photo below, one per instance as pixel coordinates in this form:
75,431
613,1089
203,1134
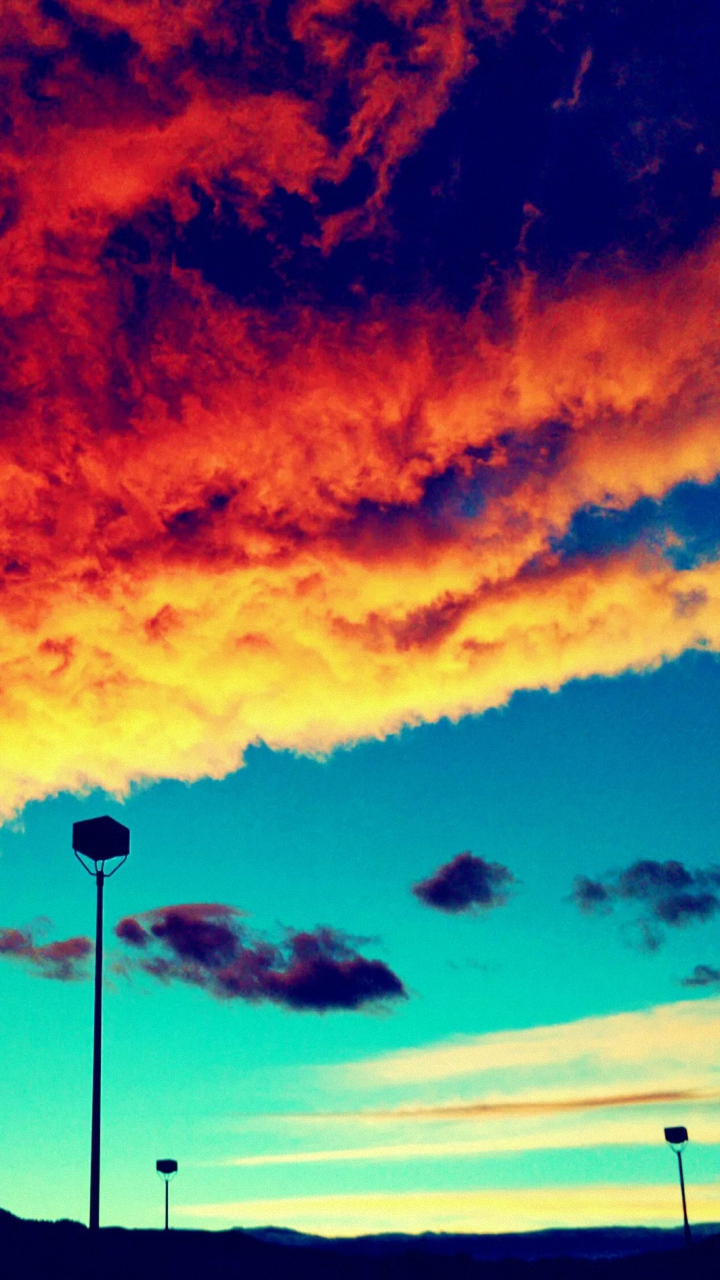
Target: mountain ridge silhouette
37,1250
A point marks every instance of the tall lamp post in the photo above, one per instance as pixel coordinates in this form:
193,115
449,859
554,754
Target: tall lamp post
676,1139
167,1170
97,842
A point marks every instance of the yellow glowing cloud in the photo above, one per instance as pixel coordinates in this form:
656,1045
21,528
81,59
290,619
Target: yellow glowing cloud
176,675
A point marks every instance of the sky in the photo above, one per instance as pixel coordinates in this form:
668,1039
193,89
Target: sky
360,552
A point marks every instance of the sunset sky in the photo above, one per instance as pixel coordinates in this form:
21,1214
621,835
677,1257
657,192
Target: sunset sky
360,551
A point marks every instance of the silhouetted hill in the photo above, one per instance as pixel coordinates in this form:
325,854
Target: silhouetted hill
46,1250
596,1242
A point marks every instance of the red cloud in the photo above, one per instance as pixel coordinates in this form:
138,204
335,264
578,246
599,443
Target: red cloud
60,960
163,119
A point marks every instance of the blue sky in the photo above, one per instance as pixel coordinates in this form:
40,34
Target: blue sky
591,778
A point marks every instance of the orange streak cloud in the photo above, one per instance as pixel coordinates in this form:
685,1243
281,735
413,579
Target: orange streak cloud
214,527
533,1106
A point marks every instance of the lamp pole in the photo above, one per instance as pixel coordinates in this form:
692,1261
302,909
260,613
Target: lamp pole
98,841
676,1139
686,1224
97,1059
167,1170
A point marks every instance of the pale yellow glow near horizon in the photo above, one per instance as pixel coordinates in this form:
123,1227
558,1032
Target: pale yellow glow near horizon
525,1209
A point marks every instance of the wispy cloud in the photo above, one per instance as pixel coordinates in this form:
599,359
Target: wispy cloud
624,1123
656,1041
520,1209
597,1082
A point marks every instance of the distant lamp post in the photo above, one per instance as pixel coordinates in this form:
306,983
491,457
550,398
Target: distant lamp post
167,1170
677,1138
97,842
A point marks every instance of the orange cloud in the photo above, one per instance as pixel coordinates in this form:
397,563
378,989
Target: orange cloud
217,523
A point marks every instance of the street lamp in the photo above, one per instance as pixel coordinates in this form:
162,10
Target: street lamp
167,1170
96,842
676,1139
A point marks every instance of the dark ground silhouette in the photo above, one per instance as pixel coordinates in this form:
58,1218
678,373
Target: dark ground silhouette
44,1250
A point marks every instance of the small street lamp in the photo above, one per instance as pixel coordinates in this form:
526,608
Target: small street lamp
96,842
676,1139
167,1170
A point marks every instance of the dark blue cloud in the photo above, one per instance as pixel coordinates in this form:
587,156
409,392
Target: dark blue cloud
206,945
604,120
667,893
703,975
464,884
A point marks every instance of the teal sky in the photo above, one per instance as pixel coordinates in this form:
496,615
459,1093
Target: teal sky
581,781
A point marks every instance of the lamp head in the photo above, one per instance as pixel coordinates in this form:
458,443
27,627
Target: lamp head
100,839
676,1137
166,1167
